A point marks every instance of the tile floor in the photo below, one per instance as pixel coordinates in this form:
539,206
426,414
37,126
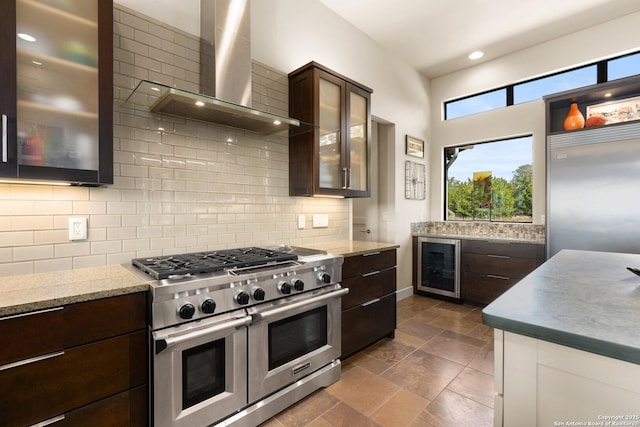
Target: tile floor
437,371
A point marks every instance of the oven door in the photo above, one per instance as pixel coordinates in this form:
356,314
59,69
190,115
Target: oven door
292,338
200,371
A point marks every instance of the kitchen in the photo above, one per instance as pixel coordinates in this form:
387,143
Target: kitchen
158,205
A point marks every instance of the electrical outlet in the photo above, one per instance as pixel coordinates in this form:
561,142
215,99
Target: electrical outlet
77,228
320,221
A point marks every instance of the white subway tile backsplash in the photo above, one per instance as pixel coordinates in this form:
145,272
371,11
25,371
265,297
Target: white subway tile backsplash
191,187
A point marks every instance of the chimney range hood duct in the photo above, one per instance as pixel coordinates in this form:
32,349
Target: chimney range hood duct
224,97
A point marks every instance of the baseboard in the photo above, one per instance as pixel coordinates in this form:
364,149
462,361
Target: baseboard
404,293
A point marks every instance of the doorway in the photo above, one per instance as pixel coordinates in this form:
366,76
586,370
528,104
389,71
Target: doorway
373,216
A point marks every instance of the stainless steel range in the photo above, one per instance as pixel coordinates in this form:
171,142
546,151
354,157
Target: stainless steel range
239,335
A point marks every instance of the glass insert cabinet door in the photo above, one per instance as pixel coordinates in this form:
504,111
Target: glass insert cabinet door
358,137
59,78
57,73
330,160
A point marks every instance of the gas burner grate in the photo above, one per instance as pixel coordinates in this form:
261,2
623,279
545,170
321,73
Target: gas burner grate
209,262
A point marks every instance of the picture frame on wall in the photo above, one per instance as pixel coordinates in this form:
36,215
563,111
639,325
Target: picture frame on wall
414,147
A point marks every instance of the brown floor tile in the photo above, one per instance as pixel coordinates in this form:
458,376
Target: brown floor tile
389,350
417,379
474,385
423,373
451,409
307,409
419,328
455,347
363,390
484,361
345,416
401,409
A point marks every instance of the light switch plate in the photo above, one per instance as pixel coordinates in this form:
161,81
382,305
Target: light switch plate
320,220
77,228
301,222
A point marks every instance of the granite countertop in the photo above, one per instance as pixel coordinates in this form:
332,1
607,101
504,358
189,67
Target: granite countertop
581,299
39,291
348,248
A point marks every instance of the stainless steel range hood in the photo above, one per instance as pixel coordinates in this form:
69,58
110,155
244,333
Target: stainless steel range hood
225,77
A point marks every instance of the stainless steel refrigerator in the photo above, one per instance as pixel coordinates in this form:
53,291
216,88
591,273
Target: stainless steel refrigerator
593,189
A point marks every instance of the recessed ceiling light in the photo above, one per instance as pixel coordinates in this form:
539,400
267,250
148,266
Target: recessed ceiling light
476,55
26,37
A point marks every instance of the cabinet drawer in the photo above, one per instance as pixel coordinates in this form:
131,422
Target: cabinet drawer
500,265
69,379
483,289
366,263
365,324
368,286
123,409
515,250
46,331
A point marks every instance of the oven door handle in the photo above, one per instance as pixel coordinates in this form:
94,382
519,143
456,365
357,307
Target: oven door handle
172,340
291,306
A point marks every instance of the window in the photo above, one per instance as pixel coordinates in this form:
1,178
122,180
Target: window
623,67
598,72
476,104
489,181
536,89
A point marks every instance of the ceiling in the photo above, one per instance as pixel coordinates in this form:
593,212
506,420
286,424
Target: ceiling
436,36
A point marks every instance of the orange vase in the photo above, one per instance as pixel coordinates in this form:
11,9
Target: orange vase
574,119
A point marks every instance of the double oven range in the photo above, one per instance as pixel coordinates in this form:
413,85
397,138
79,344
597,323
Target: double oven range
239,335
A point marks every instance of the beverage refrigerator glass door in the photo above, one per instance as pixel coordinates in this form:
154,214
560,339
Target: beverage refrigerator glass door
439,266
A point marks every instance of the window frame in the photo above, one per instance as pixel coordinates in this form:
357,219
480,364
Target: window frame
602,67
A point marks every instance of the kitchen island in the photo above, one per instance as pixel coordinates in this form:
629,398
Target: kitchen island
567,345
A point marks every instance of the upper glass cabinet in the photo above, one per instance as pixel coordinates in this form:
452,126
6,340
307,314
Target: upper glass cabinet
334,159
59,119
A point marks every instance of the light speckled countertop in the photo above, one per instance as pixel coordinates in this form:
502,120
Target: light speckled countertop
39,291
501,239
581,299
352,247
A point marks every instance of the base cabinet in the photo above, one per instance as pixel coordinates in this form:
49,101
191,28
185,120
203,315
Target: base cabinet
81,364
488,269
369,309
539,383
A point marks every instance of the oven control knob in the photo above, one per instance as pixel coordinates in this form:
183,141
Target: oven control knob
242,298
324,277
208,306
284,288
258,294
298,285
186,311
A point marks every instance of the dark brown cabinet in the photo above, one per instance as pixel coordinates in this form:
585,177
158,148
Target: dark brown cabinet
369,309
81,364
56,106
333,158
488,269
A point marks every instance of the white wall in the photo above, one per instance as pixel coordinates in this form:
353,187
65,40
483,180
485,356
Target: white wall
606,40
286,34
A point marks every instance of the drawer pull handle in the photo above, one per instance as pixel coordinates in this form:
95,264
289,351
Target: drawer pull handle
499,256
32,313
373,301
371,253
4,139
30,360
493,276
373,273
49,421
